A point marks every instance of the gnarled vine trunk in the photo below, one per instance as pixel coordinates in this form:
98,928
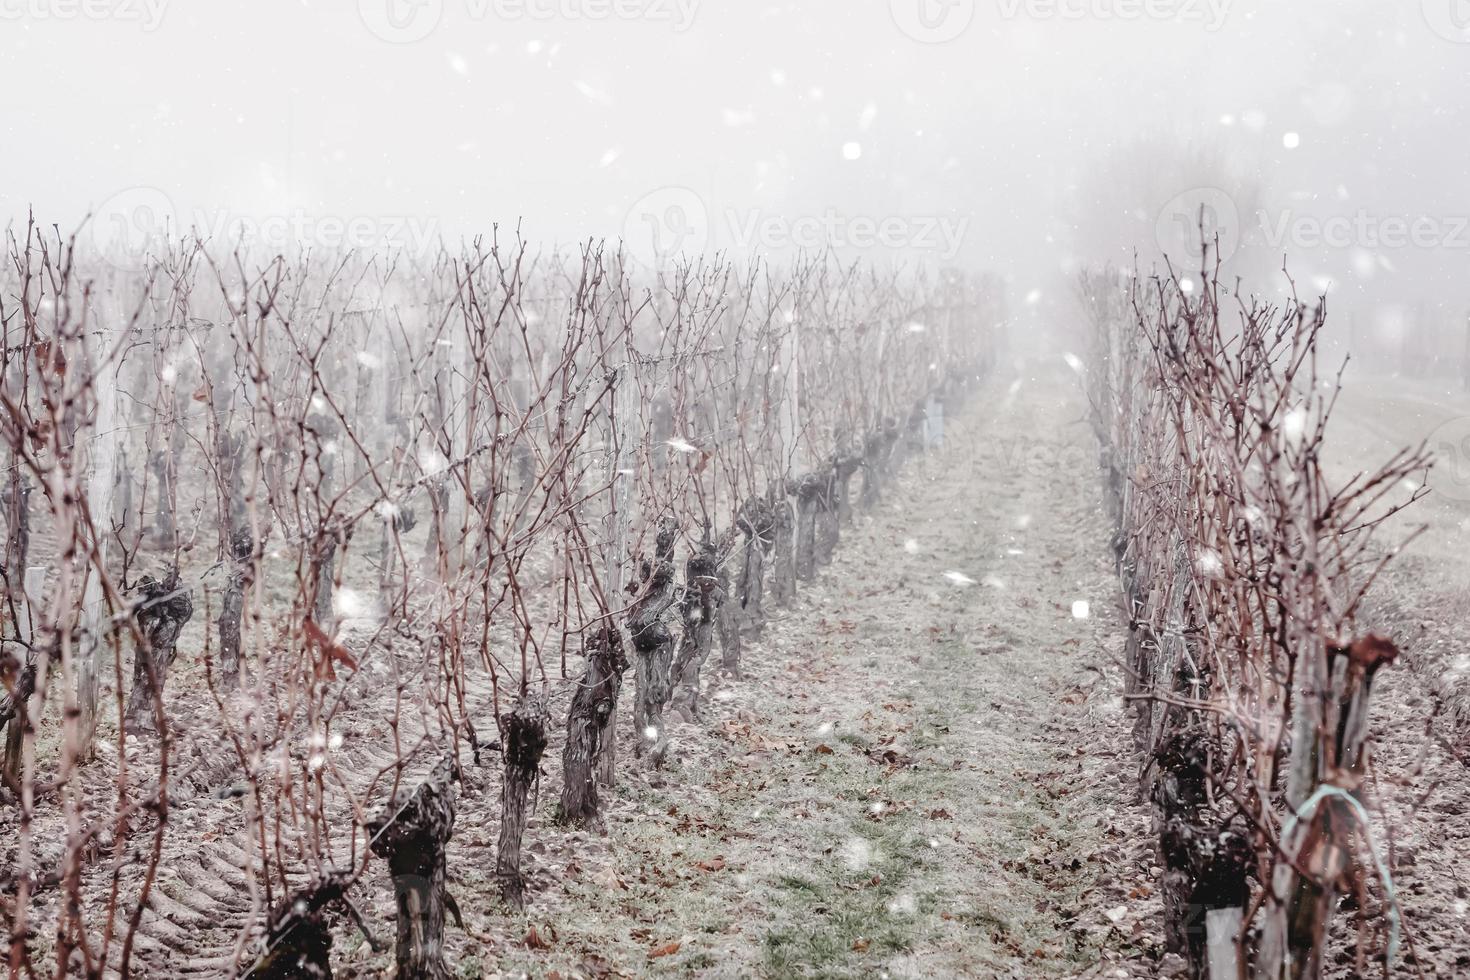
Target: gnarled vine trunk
413,833
232,605
653,643
160,615
782,556
298,937
809,490
523,738
17,663
703,597
589,724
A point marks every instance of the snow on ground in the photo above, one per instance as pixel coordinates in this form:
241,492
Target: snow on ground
912,779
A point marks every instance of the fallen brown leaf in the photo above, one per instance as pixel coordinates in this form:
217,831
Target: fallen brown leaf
668,949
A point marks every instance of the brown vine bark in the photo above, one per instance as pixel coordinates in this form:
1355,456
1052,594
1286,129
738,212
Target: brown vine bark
653,644
298,937
589,724
232,605
875,457
160,615
237,544
782,556
17,669
809,490
523,736
743,610
1205,864
703,597
413,833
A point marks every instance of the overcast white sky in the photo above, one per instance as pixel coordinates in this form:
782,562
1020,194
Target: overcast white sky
1025,135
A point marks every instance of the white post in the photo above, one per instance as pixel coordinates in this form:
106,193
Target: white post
1222,930
101,482
791,412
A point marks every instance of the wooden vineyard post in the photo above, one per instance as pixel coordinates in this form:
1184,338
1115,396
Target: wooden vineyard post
621,460
1298,909
784,558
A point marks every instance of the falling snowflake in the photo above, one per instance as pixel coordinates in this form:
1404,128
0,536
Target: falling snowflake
351,604
1081,609
679,445
1294,425
959,578
857,854
903,905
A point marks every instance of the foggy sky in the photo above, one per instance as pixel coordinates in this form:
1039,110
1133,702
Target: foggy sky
1025,136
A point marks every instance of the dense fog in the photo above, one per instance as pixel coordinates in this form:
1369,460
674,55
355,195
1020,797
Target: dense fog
1028,136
